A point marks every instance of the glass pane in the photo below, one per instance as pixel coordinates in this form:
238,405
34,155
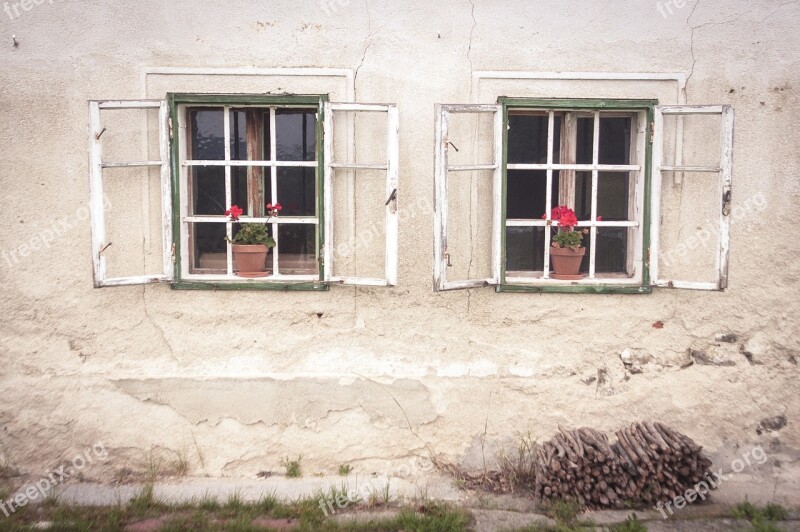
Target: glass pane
297,191
256,141
296,134
612,250
208,190
583,195
585,142
527,138
208,248
525,249
615,139
297,249
207,134
612,195
238,135
526,193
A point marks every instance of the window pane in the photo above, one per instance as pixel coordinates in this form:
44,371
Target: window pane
583,195
615,138
238,135
297,249
612,195
524,249
296,134
612,249
585,142
526,193
208,134
527,138
257,140
297,191
208,248
208,190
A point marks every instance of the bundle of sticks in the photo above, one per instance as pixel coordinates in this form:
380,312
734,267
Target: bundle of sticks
648,463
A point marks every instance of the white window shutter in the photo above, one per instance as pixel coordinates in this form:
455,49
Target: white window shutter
338,113
97,197
721,173
444,170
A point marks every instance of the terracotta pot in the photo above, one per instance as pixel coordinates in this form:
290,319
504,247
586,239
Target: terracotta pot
566,262
250,259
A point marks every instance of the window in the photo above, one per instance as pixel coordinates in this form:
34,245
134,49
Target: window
249,157
500,169
593,161
215,151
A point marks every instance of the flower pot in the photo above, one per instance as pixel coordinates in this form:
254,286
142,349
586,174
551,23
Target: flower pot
250,259
566,263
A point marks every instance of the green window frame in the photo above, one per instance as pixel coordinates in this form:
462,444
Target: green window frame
176,103
645,106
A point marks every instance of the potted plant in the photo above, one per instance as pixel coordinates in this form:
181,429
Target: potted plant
566,250
251,244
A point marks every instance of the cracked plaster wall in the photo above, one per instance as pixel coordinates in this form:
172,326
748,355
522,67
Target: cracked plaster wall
372,376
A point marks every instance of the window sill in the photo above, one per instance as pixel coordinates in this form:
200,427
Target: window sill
575,288
285,286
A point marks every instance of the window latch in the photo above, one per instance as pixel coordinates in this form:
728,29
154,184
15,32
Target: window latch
392,196
447,258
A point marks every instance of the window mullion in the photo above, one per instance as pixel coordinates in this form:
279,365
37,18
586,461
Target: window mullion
273,156
595,173
569,146
254,131
549,193
226,121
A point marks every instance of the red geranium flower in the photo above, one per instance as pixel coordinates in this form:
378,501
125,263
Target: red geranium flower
234,212
273,210
564,216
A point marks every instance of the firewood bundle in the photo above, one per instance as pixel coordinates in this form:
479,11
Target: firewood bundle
648,463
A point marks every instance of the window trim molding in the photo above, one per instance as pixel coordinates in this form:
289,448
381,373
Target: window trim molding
636,105
174,100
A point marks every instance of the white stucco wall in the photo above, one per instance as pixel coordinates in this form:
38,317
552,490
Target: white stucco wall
247,378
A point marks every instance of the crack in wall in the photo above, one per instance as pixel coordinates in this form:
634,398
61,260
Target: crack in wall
156,325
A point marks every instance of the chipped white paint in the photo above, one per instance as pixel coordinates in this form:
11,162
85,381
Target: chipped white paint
96,180
724,171
442,169
392,172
